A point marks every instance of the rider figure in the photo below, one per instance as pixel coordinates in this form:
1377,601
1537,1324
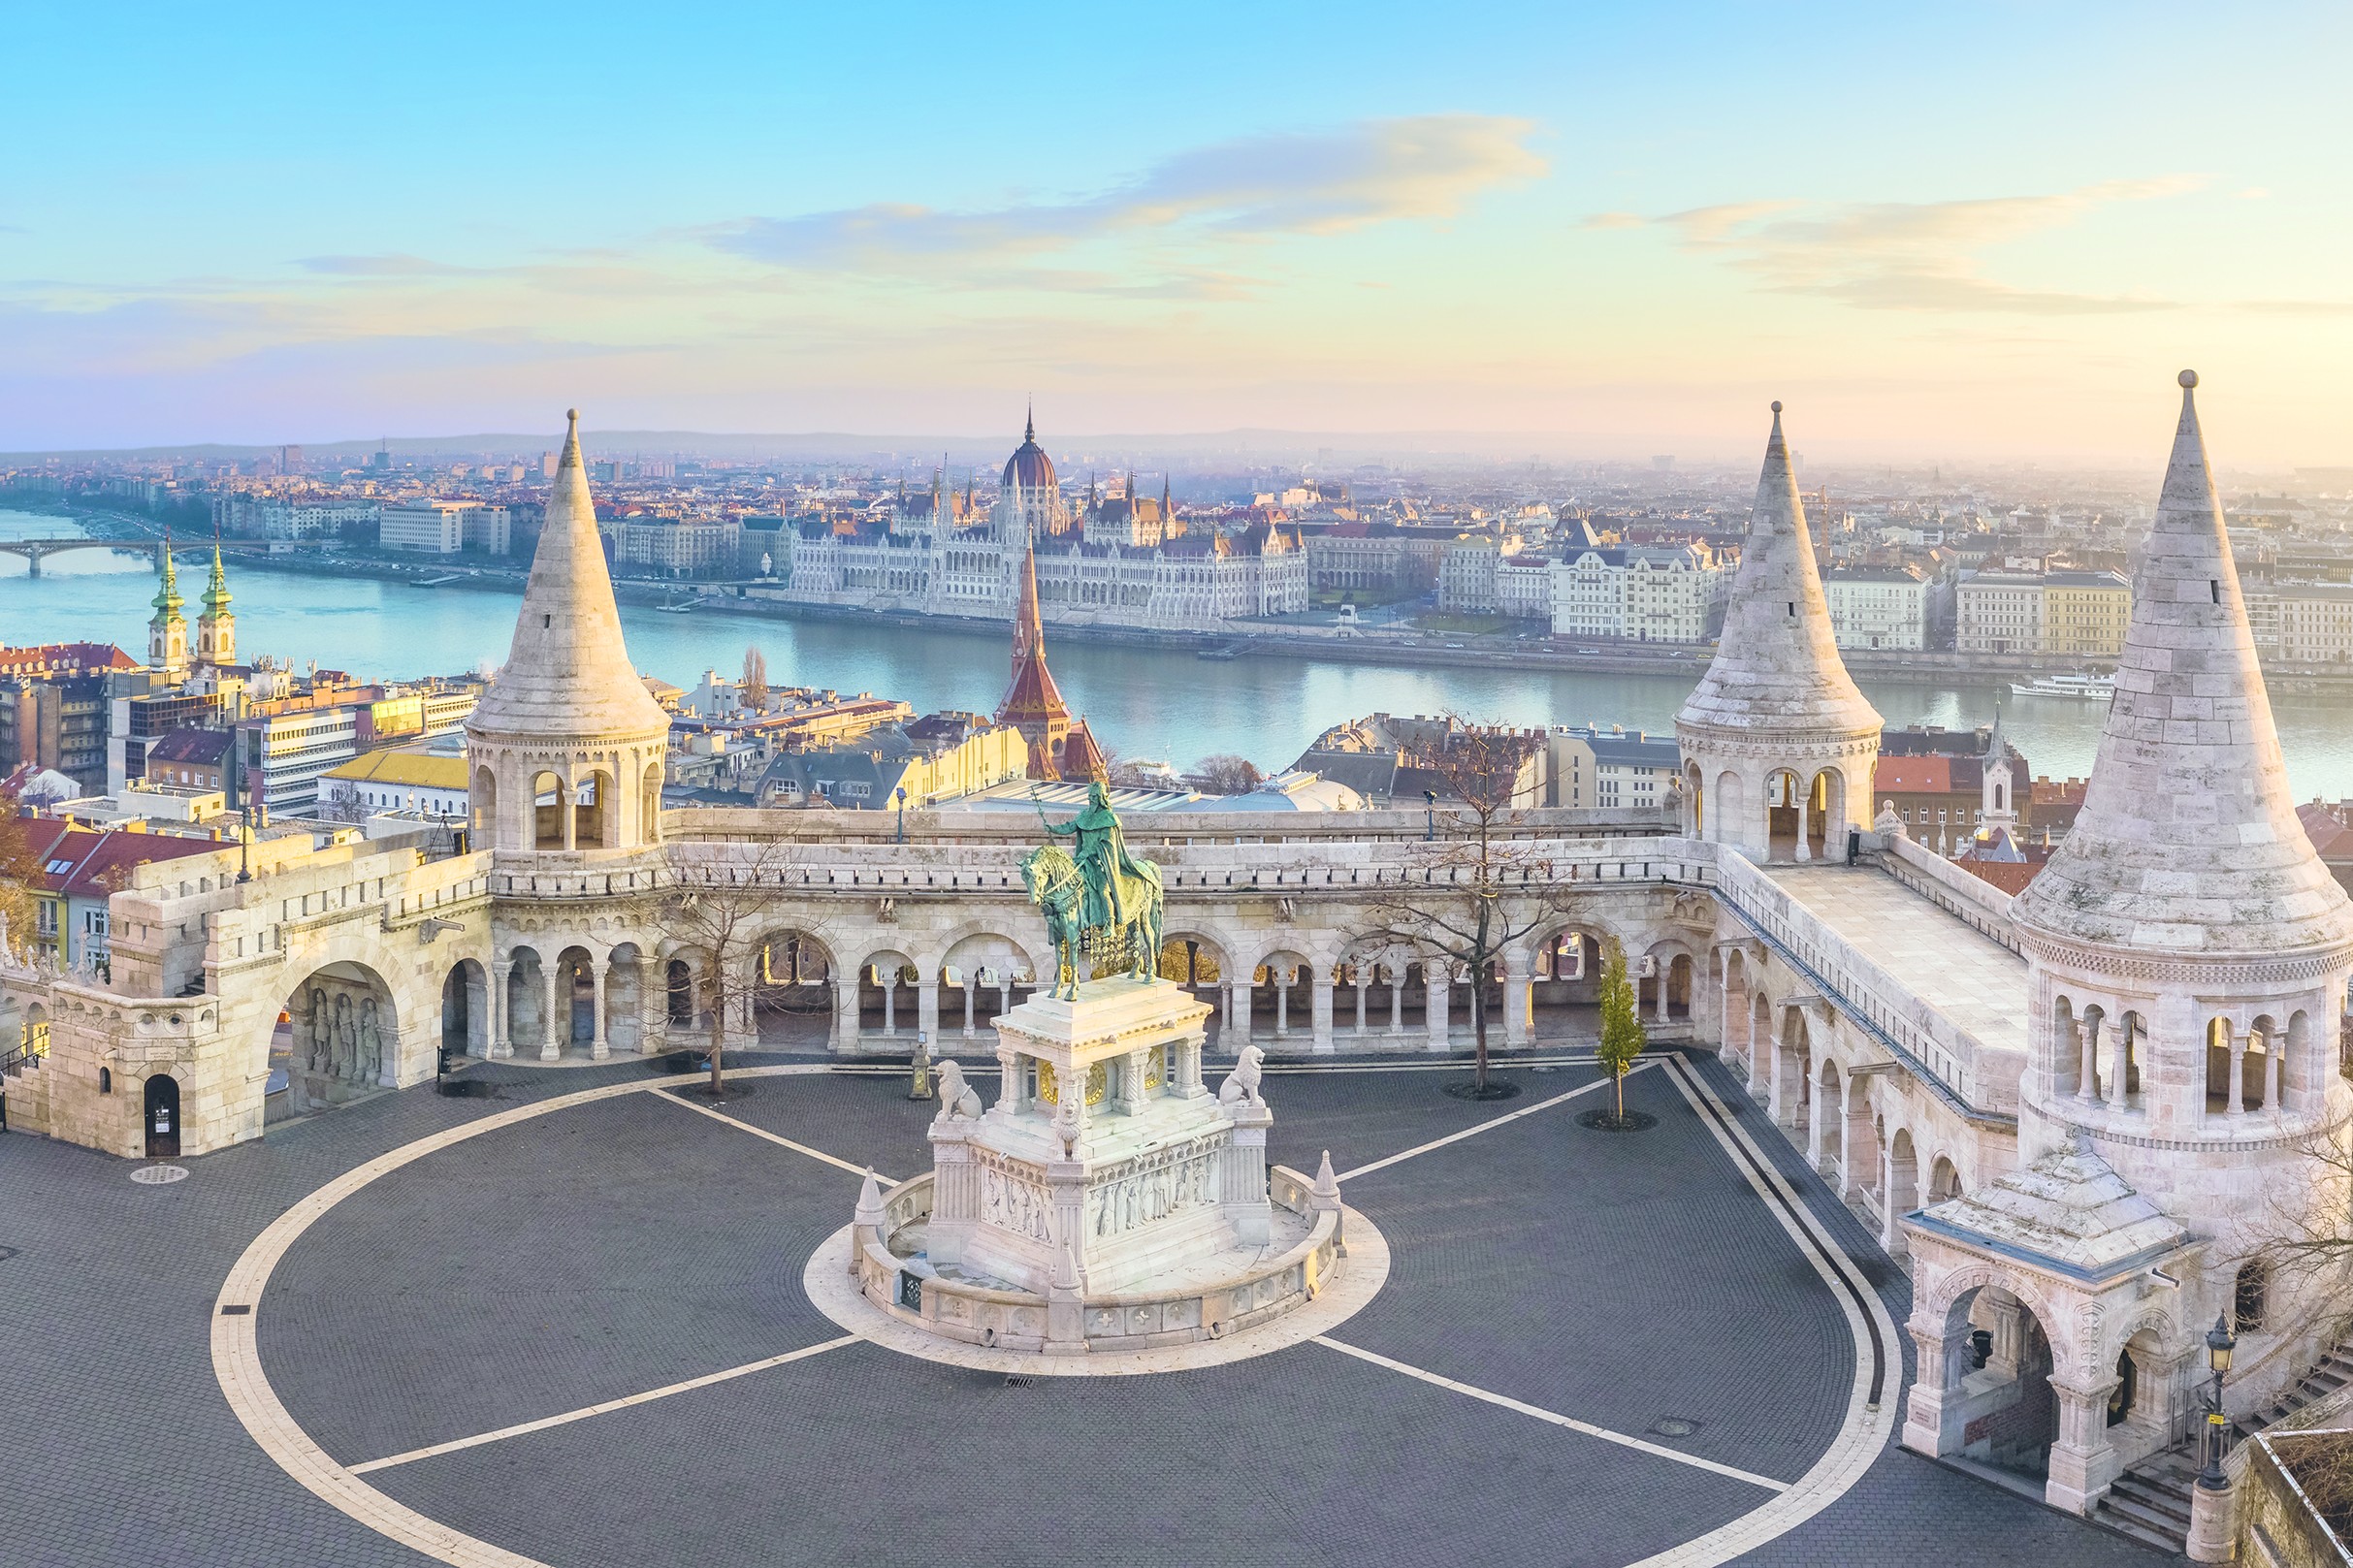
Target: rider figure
1101,851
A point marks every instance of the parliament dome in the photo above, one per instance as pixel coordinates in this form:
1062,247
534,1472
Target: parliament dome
1029,466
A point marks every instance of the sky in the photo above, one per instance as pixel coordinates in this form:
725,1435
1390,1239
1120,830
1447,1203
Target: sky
1938,233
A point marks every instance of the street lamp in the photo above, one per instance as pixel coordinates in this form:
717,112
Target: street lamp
902,813
2219,1347
1430,807
244,844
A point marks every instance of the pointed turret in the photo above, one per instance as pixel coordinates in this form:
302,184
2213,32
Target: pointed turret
1033,704
216,627
167,602
2188,839
567,706
168,628
1777,666
1778,745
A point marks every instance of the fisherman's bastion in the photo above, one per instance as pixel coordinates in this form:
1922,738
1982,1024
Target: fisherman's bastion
1945,1195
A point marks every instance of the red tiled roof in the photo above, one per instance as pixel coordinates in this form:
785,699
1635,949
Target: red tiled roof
1912,776
82,863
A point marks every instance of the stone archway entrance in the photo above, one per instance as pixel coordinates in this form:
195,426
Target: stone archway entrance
1995,1404
342,1037
162,1117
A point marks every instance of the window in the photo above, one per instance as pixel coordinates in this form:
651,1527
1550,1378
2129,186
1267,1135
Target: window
2250,1296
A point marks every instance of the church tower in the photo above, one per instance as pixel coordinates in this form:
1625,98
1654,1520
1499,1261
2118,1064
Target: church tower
168,628
1778,746
1033,704
567,744
216,627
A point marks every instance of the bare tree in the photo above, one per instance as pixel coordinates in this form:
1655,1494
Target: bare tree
717,908
1226,774
18,871
755,687
1472,889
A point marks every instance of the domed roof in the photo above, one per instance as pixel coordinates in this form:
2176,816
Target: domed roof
1029,466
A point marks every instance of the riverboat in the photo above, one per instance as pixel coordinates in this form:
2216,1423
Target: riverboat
2073,687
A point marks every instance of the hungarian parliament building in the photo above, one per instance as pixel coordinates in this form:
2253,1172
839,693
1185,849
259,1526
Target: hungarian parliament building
1126,559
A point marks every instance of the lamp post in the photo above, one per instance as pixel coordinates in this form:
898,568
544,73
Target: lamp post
244,844
902,813
1430,808
2219,1347
918,1086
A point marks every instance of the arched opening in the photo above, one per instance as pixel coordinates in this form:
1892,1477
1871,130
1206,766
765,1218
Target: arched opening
1197,964
526,1015
482,807
1566,984
2259,1066
2128,1388
466,1011
1829,1105
336,1038
162,1114
1283,995
1825,806
593,827
791,990
1943,1181
679,992
1997,1406
548,807
1737,1042
1760,1045
1903,1180
1694,810
1786,818
1792,1075
2250,1295
886,994
980,978
648,805
573,1004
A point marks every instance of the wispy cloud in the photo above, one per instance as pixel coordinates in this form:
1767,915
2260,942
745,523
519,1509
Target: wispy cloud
1906,256
1425,167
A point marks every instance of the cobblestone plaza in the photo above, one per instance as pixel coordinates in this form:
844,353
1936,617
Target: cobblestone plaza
1590,1347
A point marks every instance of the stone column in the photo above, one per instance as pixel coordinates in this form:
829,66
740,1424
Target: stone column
971,1010
551,1039
2119,1054
1805,802
653,1010
1237,1017
501,1011
598,1047
1283,1001
568,802
2087,1042
1811,1097
1760,1057
2234,1103
1518,999
1241,1187
1932,1419
927,1010
2082,1461
1011,1099
1723,1007
1665,967
1890,1229
1364,984
1437,986
1782,1115
1322,998
845,1013
1853,1128
2272,1075
1397,1005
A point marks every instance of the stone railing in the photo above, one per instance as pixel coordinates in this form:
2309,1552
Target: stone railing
1018,829
1015,1320
1973,900
1942,1055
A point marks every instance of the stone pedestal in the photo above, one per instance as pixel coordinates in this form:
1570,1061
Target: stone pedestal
2214,1524
1105,1162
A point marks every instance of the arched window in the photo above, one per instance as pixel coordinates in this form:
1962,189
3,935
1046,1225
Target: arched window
2250,1296
2128,1384
106,1080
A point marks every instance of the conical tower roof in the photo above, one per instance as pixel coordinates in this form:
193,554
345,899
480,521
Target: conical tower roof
2188,840
217,591
1777,666
1032,697
167,598
567,674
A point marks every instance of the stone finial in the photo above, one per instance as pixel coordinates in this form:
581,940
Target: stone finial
869,1211
1326,1190
1888,825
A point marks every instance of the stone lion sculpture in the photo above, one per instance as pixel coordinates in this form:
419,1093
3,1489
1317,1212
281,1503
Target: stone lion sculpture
956,1096
1241,1084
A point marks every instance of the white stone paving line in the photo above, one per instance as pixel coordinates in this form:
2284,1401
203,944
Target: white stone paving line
236,1358
647,1398
1538,1413
776,1139
1862,1436
835,1292
1489,1125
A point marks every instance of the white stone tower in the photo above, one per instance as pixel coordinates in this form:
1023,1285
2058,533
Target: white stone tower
2189,949
1778,745
567,744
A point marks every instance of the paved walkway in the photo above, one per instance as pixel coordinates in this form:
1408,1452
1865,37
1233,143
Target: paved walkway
581,1338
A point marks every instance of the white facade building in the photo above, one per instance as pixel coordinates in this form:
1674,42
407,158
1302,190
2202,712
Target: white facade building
1877,607
431,528
2302,622
1636,592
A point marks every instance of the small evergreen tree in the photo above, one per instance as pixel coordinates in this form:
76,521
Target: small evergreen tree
1622,1039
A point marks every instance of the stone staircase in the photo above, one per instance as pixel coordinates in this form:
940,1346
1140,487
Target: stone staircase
2150,1502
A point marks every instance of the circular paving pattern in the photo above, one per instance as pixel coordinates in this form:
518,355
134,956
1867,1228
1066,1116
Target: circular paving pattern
581,1331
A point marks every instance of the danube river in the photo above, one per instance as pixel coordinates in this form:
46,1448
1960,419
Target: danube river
1170,707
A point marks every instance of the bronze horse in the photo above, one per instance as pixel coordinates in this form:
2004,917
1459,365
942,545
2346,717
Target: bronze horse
1056,887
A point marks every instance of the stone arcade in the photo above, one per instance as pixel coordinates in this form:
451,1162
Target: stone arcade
2062,1111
